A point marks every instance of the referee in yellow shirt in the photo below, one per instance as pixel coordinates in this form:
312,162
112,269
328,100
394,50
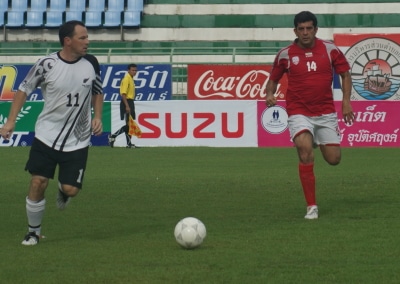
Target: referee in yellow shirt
127,106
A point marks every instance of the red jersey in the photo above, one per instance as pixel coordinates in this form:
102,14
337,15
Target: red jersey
310,76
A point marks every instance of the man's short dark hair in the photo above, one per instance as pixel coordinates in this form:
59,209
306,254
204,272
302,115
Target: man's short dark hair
305,16
131,66
68,29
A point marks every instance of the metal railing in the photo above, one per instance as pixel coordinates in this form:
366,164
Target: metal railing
178,57
161,54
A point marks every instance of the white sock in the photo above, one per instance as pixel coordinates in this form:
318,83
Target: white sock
34,212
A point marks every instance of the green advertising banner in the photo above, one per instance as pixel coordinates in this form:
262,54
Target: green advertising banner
25,126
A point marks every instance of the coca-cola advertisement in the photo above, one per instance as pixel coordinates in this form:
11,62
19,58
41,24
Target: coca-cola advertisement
231,82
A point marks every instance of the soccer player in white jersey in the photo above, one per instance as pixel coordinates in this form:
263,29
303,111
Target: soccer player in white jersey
71,85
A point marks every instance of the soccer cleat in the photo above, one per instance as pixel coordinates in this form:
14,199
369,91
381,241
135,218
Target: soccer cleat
30,239
132,146
62,200
312,212
111,140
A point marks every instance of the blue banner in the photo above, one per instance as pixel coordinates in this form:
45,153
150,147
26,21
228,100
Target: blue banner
153,82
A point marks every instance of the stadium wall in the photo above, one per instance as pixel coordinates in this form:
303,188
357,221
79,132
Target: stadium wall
216,21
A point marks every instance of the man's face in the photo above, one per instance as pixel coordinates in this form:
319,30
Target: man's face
79,42
132,71
305,33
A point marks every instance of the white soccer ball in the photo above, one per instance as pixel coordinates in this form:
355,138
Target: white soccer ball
190,232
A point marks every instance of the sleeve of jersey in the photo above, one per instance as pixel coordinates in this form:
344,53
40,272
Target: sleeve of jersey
34,77
339,61
97,84
278,68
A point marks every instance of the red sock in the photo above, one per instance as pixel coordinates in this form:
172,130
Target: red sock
307,178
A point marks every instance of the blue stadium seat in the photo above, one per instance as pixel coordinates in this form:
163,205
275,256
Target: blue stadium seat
19,5
112,19
3,10
93,18
77,5
74,15
54,19
38,5
131,19
2,13
134,5
34,19
3,6
115,5
15,19
58,5
97,5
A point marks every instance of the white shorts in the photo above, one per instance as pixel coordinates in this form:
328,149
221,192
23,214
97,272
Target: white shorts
324,128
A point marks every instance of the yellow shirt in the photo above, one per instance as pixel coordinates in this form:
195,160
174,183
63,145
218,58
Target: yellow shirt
127,87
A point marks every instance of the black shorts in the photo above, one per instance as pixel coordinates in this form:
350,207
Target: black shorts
43,161
122,109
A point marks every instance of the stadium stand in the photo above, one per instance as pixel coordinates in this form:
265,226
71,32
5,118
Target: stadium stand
34,18
100,13
3,10
132,19
18,5
74,15
97,5
93,18
53,19
15,19
3,6
116,5
58,5
55,14
113,14
112,18
135,5
38,5
224,26
75,10
77,5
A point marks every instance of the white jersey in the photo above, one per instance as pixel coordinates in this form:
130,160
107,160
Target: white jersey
67,87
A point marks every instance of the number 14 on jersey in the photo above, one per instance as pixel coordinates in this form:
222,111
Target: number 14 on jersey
311,66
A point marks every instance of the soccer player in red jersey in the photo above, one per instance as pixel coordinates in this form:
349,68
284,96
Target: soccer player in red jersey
309,63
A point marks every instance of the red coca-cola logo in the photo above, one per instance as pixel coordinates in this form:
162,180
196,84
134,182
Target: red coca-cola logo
227,82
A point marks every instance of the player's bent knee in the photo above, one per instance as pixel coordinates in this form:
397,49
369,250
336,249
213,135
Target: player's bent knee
332,155
334,161
70,190
39,182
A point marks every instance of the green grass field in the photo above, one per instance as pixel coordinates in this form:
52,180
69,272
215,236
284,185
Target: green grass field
119,229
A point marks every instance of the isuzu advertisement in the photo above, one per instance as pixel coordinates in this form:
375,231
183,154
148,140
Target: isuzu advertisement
184,123
232,123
